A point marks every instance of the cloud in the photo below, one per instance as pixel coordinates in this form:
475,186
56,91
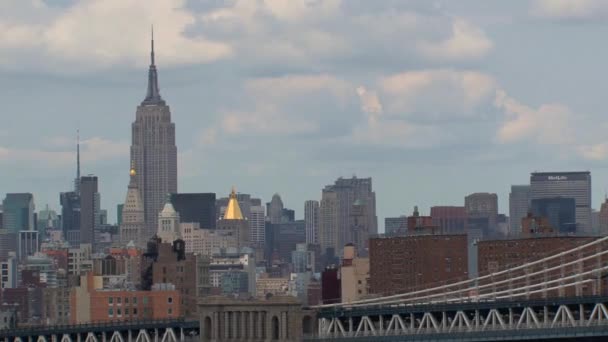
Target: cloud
570,10
288,105
93,150
549,124
99,34
594,152
369,101
466,42
437,95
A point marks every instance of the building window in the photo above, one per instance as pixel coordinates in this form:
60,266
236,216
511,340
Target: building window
118,300
126,300
134,311
126,311
145,300
110,312
110,300
134,300
118,312
169,311
170,300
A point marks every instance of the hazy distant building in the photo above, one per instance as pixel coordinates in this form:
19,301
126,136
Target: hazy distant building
311,218
328,221
395,225
196,208
70,216
133,226
27,244
603,224
153,150
282,239
18,212
449,219
348,197
354,275
560,211
576,185
519,205
89,208
274,209
482,213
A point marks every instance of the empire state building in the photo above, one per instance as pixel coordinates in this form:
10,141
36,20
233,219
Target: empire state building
153,150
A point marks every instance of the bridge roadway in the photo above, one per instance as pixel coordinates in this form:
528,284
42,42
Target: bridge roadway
156,330
561,319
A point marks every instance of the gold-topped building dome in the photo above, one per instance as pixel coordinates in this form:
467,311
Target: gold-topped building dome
233,210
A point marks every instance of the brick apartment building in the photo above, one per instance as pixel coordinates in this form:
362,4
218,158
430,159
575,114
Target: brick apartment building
399,264
90,303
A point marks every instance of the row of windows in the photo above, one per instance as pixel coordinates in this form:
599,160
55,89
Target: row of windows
119,300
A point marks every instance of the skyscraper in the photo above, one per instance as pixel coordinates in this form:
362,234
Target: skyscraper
350,196
311,217
482,213
89,208
18,212
274,209
575,185
519,205
153,150
132,227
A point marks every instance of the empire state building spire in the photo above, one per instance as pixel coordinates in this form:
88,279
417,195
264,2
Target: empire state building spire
153,94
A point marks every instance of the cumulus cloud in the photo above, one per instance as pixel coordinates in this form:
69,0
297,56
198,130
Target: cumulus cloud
437,95
287,105
570,10
104,33
465,42
548,124
594,152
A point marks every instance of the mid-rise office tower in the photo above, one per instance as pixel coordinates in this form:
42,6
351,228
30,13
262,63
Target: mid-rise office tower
576,185
153,150
340,202
18,212
311,217
519,206
132,227
89,208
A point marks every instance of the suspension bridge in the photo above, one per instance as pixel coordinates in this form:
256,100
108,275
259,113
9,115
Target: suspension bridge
561,296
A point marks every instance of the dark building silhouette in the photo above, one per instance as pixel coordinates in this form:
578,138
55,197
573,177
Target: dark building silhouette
282,238
196,207
89,202
560,211
70,215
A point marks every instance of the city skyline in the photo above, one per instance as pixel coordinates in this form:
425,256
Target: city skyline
212,101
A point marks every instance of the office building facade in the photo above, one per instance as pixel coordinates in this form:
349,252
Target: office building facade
18,212
311,218
519,205
576,185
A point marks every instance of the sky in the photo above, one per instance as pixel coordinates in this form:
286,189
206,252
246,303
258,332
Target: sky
432,99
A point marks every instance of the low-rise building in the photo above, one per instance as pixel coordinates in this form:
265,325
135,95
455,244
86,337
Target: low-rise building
399,264
354,275
91,303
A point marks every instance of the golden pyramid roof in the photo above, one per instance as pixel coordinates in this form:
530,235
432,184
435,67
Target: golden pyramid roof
233,210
